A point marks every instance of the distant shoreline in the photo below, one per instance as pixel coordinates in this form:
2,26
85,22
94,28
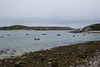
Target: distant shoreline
22,27
26,30
16,30
91,32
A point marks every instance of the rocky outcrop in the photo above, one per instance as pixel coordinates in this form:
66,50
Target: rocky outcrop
93,61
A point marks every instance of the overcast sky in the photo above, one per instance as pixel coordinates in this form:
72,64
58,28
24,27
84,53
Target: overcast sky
70,13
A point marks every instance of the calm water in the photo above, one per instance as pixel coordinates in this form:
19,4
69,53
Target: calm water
18,42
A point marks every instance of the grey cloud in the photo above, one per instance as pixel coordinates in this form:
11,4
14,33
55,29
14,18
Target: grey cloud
74,13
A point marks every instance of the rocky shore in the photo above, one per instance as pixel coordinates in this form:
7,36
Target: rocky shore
93,61
77,55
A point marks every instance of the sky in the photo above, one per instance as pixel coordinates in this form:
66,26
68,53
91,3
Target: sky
66,13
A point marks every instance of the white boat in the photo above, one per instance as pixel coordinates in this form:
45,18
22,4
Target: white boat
37,38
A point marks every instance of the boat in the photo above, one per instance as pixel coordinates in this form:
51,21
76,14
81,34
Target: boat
37,38
44,34
2,37
27,34
73,35
58,35
8,34
84,34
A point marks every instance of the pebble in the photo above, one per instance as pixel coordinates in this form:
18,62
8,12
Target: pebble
93,62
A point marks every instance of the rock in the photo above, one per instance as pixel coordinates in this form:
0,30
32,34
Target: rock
19,62
93,61
42,59
52,64
23,57
50,59
6,60
41,54
74,64
11,61
71,66
3,51
49,63
14,50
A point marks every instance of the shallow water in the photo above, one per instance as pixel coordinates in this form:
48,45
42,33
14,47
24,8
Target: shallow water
17,42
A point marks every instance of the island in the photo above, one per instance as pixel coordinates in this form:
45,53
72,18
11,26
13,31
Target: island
94,28
22,27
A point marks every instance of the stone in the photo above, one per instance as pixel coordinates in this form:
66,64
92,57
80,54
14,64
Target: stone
54,64
19,62
50,59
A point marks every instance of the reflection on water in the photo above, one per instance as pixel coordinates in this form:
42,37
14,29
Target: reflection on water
17,42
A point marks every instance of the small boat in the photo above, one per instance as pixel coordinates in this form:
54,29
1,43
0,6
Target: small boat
77,35
73,35
2,37
44,34
8,34
58,35
84,34
27,34
37,38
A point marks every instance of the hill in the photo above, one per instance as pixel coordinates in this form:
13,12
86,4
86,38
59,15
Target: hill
22,27
93,27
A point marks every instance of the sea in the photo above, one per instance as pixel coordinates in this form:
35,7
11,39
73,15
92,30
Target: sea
14,43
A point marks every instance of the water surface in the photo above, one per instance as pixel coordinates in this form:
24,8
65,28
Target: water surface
17,42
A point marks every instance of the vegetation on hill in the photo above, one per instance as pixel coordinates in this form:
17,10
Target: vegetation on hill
22,27
94,27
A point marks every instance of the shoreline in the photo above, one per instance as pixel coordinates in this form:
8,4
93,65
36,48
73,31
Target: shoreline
59,56
91,32
31,30
17,30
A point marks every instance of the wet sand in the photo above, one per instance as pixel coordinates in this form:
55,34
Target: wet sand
93,32
62,56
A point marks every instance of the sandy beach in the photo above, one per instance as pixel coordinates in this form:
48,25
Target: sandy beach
93,32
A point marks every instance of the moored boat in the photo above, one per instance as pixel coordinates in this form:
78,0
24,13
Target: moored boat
37,38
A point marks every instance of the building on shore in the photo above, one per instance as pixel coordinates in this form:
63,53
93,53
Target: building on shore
88,29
